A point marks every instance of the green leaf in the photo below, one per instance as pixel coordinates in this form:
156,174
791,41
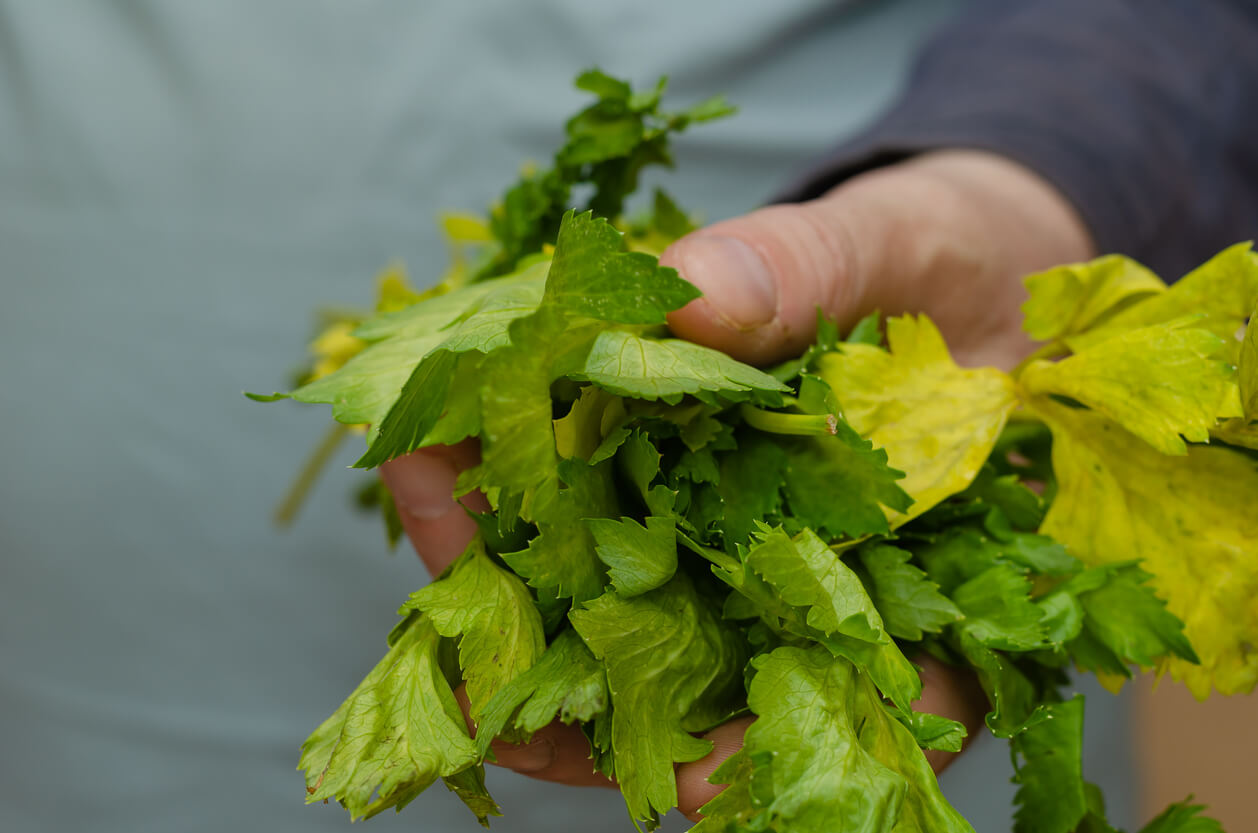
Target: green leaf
932,731
639,558
734,808
999,612
519,455
648,368
840,484
665,651
749,484
640,460
603,85
910,603
1183,818
1010,692
867,331
562,559
1067,300
824,749
808,574
591,276
493,613
1126,616
1023,508
567,683
414,413
669,220
1048,761
712,108
469,786
886,665
1158,382
1037,553
398,732
962,551
410,357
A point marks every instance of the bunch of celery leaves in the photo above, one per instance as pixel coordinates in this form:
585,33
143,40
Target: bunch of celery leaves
678,538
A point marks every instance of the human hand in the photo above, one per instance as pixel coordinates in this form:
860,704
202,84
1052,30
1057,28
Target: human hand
947,233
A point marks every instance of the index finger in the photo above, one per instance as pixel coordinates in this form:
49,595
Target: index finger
422,484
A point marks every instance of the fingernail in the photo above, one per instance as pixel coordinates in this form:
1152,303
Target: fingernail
734,278
531,757
422,485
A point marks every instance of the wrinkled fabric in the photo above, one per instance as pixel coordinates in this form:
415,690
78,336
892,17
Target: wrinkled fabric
1141,114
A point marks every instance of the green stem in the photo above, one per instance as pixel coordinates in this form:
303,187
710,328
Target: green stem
776,422
288,508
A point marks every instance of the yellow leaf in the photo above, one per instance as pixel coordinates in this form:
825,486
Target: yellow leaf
1224,288
333,347
465,228
393,289
936,421
1070,299
1249,368
1237,432
1191,519
1158,382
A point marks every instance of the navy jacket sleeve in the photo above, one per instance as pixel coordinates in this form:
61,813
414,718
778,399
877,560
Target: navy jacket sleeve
1144,113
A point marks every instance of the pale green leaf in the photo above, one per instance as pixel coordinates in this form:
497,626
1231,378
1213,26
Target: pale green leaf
638,558
591,276
808,574
567,683
665,651
492,613
469,786
824,752
398,732
648,368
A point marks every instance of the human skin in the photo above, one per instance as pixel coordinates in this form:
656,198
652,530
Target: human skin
947,233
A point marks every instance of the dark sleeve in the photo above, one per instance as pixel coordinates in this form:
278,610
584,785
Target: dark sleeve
1143,113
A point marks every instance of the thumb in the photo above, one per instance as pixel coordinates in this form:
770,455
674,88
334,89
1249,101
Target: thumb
947,233
765,274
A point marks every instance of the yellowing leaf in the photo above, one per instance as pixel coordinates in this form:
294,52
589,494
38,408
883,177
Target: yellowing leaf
1249,369
936,421
1237,432
1070,299
1158,382
1224,288
1192,520
333,348
466,228
393,289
